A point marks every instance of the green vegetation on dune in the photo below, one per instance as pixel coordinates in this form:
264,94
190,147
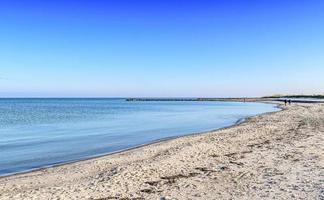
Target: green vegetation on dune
296,96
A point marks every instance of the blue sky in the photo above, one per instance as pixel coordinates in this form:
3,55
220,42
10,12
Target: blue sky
161,48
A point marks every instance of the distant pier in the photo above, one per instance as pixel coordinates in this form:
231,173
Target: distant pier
198,99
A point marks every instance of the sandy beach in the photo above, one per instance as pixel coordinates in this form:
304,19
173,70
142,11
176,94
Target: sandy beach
277,155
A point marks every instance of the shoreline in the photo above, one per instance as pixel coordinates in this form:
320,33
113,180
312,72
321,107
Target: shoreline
272,155
237,123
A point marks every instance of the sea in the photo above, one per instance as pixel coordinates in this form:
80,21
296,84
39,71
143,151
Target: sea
42,132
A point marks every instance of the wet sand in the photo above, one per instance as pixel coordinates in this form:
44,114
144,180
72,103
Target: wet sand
278,155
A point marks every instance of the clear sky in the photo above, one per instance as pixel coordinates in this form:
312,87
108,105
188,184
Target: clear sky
122,48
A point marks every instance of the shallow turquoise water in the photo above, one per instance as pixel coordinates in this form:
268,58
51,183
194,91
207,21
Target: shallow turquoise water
35,133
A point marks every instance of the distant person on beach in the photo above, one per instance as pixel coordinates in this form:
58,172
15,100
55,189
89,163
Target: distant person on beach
289,101
285,102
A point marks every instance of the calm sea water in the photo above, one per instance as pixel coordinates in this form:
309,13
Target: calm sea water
36,133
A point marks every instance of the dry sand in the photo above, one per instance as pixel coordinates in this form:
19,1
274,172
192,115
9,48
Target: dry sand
277,155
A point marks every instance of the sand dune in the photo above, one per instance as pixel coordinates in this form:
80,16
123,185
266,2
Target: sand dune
273,155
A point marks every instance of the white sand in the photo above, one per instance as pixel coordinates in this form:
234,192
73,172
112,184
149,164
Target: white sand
278,155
